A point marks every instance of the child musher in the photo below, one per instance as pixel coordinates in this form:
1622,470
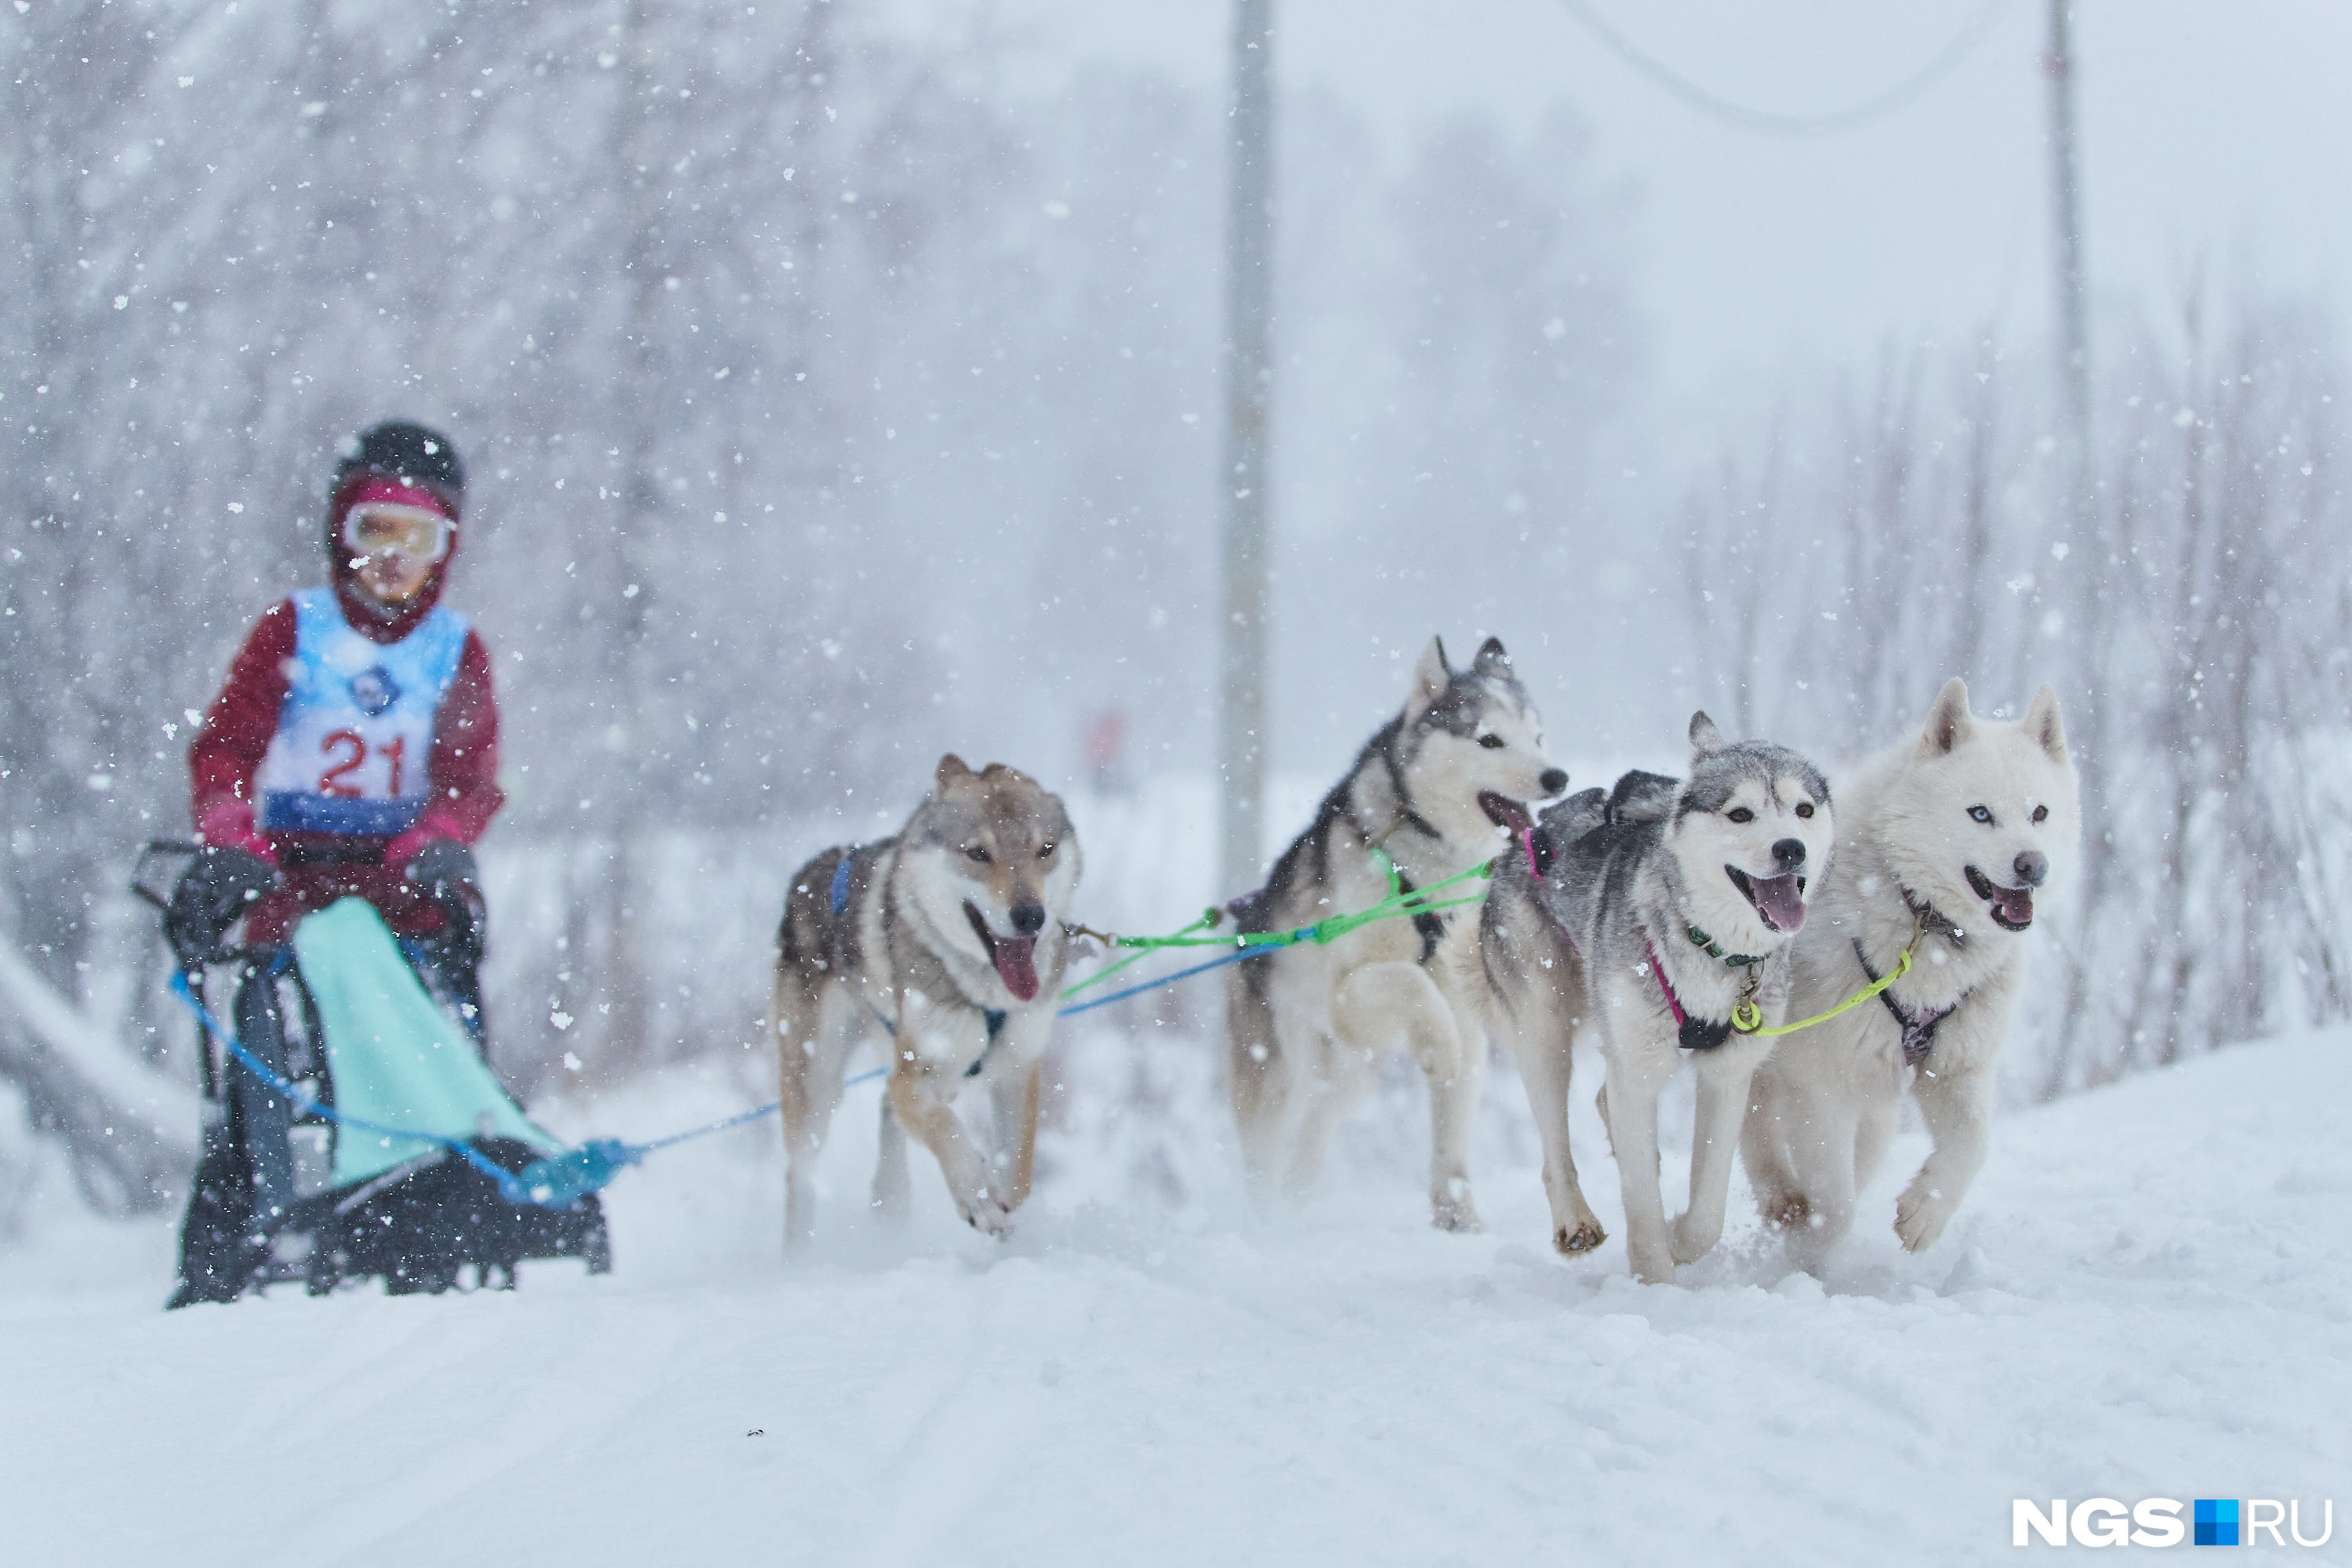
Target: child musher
353,751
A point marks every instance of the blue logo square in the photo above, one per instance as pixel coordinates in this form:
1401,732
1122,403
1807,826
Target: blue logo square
2217,1521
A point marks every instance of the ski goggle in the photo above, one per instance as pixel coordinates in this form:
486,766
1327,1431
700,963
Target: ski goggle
388,528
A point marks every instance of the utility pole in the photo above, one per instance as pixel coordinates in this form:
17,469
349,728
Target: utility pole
2073,305
1244,479
2091,602
626,612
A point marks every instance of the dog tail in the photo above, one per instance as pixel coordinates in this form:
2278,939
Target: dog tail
1581,814
1640,797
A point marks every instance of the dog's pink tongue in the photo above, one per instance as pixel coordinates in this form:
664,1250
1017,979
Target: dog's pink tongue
2016,904
1016,965
1782,904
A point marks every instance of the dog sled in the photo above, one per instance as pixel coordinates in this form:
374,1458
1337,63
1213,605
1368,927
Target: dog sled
351,1128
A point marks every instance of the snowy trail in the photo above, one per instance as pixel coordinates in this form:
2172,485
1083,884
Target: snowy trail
2149,1293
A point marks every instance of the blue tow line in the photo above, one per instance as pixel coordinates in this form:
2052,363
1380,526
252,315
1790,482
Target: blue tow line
562,1180
1234,957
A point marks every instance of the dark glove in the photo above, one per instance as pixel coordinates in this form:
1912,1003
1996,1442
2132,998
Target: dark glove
444,868
210,894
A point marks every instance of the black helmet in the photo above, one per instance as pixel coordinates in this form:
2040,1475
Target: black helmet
410,452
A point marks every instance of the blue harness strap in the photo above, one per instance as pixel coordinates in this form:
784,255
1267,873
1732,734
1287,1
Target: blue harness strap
841,883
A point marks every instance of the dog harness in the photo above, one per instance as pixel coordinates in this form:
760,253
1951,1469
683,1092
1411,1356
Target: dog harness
992,1017
1692,1034
1918,1028
353,749
1406,817
1930,917
1429,925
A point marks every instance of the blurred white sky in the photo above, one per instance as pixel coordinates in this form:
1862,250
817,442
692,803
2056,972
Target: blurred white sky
2210,132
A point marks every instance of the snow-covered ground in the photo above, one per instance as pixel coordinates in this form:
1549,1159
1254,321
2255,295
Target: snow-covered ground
2149,1293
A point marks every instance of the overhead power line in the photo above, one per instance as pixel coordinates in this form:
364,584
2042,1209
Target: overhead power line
1769,122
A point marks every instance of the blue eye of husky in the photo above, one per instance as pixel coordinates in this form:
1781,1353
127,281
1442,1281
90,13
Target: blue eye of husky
1492,742
1979,814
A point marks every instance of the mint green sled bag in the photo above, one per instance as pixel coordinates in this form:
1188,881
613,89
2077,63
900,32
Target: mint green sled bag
395,1058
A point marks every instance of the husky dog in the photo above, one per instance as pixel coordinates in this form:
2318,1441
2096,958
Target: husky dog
1441,787
1946,834
945,945
1652,912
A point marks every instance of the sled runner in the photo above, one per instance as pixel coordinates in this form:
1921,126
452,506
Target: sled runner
351,1124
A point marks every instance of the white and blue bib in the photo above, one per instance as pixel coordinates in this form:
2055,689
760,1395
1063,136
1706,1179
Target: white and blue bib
353,749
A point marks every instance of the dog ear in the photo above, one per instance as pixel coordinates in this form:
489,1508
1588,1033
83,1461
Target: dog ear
2042,722
950,768
1492,659
1949,722
1430,677
1703,736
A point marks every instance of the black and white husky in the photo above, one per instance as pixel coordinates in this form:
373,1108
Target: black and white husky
1946,835
1649,914
1441,787
945,946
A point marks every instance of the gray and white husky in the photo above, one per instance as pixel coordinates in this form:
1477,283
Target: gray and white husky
1649,914
1439,788
1944,837
944,945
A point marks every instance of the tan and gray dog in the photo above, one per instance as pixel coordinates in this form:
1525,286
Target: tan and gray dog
945,946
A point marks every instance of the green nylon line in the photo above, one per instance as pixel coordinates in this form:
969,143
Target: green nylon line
1327,930
1147,944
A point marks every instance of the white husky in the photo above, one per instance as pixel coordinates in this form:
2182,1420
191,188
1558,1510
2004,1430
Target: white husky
1944,839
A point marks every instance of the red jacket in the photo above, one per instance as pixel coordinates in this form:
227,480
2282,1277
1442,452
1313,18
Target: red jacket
237,730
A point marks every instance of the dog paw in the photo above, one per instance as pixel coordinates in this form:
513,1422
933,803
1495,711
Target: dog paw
988,1214
1691,1242
1455,1212
1584,1237
1653,1265
1921,1214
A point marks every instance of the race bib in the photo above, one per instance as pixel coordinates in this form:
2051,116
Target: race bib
355,743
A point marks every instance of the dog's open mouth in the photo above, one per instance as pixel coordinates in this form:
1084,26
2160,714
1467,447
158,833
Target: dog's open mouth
1780,900
1506,814
2011,908
1015,957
